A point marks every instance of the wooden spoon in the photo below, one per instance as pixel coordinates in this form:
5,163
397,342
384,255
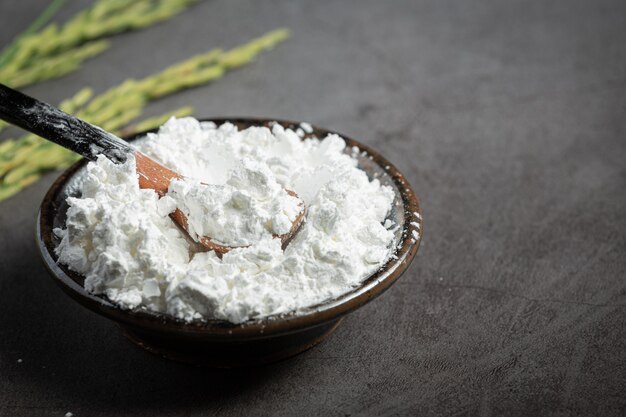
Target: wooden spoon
90,141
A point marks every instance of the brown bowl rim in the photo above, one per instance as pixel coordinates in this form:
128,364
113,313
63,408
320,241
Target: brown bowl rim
265,327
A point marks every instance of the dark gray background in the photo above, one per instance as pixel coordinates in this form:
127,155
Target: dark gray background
509,120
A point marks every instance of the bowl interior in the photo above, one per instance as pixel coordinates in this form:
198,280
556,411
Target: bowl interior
405,213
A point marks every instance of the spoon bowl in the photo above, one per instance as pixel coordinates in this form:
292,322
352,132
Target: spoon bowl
205,244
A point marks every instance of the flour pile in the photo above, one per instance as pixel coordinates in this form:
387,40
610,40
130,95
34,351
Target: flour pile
123,241
251,205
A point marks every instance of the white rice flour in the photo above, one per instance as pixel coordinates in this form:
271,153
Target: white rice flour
122,240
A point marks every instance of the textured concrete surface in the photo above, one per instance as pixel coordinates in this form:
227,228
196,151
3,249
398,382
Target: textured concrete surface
508,118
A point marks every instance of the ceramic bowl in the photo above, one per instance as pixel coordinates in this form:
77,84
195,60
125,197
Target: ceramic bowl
220,343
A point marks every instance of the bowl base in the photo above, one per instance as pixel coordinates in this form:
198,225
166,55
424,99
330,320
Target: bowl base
229,354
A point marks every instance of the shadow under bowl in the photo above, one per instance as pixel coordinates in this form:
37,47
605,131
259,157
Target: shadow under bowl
219,343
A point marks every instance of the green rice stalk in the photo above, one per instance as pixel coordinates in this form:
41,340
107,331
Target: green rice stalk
56,50
58,65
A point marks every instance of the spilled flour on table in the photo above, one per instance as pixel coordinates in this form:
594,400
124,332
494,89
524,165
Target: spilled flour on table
121,238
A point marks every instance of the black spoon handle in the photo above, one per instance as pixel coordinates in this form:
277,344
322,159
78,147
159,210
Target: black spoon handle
59,127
